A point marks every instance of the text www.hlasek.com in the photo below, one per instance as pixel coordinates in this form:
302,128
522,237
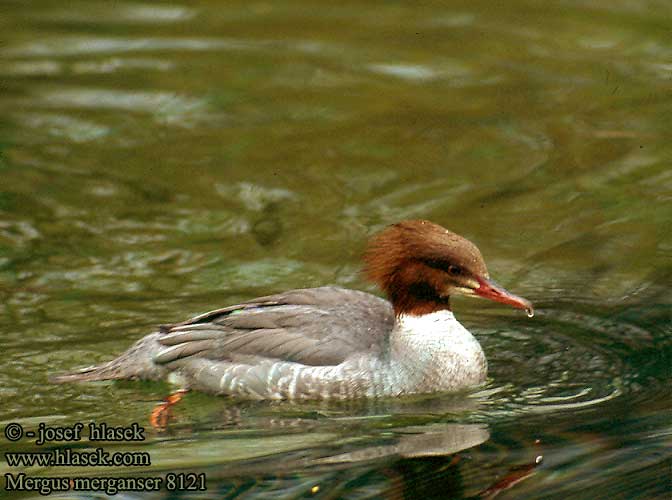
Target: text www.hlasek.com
68,457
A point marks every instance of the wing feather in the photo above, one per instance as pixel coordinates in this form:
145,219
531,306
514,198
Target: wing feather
314,326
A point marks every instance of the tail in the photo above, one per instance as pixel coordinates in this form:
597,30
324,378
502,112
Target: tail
88,374
134,364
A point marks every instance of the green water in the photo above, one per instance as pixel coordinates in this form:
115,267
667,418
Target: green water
159,160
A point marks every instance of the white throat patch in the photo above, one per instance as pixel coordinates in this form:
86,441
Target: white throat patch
439,322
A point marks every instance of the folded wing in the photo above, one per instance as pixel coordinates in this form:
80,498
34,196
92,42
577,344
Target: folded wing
314,326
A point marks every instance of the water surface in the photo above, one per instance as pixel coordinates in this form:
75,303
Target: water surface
159,160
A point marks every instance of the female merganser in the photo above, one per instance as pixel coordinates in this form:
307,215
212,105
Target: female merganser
330,342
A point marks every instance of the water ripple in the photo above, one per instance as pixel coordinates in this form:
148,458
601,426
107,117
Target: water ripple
165,107
76,45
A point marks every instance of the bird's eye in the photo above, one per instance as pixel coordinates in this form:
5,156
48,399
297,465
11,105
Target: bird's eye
454,270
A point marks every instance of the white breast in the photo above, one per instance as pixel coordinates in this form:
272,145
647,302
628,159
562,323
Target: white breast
435,349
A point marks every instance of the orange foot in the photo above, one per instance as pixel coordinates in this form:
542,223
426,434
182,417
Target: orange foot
161,413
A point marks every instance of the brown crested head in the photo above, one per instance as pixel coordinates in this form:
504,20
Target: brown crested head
419,265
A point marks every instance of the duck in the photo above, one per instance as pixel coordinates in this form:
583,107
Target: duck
330,342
